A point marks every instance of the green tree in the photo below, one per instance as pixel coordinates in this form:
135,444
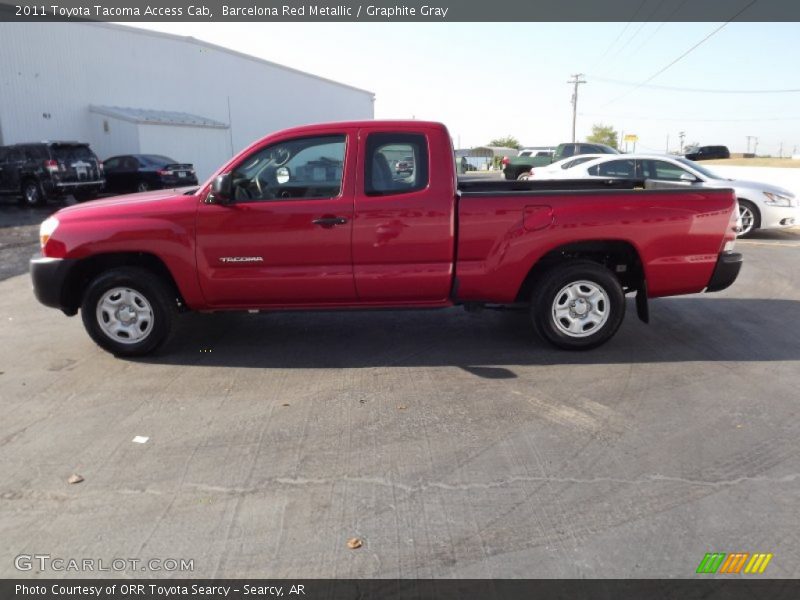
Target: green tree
506,142
604,134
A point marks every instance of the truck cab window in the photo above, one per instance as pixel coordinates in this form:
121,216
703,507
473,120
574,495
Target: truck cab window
396,163
306,168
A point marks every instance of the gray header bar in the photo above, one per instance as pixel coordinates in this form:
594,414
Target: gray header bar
402,10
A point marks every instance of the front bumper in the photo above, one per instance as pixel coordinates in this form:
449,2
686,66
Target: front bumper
49,276
778,217
726,271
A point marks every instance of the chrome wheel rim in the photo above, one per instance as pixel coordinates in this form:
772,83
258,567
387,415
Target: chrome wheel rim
747,217
31,194
143,187
580,309
125,315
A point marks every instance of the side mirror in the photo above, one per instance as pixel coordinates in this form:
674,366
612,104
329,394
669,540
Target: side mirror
222,189
688,177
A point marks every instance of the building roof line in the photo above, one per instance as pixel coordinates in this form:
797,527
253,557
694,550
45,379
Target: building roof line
149,116
193,40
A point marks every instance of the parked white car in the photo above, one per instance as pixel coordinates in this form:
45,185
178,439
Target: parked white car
547,171
761,205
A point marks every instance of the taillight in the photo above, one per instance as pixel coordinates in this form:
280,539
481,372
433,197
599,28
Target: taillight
164,172
100,167
51,166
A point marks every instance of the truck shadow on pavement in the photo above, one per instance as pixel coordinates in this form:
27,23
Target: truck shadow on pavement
489,344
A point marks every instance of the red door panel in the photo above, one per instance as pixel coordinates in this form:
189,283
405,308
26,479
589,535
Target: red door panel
403,241
265,253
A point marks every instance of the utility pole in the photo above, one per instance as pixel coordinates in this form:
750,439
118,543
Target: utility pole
576,80
681,135
780,152
667,149
755,144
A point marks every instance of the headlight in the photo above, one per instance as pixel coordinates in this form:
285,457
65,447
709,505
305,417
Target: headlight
46,229
774,199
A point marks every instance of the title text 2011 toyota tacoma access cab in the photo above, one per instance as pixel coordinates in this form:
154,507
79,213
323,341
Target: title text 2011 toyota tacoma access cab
314,217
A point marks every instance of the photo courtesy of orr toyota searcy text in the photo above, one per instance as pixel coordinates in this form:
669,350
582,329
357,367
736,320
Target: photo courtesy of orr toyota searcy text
160,591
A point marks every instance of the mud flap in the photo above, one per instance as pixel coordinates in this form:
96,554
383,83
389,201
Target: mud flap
642,308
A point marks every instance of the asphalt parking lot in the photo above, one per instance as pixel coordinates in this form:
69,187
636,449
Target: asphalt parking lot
450,444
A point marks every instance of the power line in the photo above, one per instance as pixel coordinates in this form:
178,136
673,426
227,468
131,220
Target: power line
621,33
635,33
664,22
696,120
699,90
682,56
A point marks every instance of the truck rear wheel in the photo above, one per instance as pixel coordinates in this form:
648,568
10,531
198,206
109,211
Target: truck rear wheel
128,311
578,305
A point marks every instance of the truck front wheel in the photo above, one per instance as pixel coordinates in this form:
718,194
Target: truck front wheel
578,305
128,311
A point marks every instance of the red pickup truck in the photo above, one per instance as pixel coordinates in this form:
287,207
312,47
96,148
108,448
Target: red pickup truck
315,218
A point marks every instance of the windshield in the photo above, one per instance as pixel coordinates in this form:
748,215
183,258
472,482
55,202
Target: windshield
700,169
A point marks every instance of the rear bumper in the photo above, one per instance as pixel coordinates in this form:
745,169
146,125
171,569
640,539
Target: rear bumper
726,271
48,276
69,187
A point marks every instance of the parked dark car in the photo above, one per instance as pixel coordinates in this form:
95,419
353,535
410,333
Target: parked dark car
143,172
37,172
708,152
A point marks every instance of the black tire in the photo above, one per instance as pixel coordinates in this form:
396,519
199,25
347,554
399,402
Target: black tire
32,193
148,286
143,186
756,217
550,291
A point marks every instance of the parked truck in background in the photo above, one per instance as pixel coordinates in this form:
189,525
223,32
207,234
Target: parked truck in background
519,166
315,218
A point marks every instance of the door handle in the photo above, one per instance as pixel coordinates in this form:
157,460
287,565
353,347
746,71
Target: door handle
328,222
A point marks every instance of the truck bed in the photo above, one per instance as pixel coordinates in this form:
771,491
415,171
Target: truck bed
474,186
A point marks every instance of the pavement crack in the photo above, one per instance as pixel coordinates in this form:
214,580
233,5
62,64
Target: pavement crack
414,489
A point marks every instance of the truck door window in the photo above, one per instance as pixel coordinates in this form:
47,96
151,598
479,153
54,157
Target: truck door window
396,163
300,169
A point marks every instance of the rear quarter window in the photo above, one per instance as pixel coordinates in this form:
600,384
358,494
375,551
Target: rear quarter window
388,170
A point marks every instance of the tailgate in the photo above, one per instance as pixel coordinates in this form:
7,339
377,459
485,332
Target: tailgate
76,163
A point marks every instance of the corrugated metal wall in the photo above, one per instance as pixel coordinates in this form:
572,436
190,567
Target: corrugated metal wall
51,72
171,141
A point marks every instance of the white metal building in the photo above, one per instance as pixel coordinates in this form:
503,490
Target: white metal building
127,90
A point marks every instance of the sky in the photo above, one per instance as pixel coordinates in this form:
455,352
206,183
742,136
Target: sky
489,80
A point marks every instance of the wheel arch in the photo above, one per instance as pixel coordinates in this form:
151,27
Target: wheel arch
621,257
87,269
